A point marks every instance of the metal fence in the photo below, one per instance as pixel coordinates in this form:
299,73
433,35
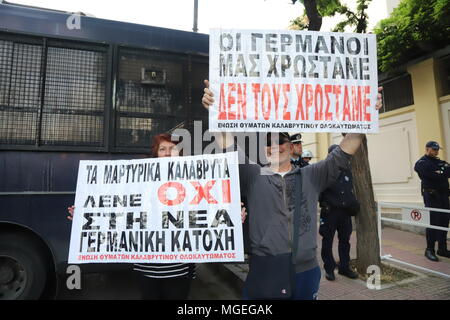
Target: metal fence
415,211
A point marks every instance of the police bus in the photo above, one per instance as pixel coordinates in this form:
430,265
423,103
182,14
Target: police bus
74,87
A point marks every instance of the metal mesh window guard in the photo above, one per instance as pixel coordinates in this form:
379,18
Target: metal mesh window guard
53,94
151,96
74,100
20,89
69,86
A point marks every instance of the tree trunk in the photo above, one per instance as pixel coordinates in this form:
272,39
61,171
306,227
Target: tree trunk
367,246
315,20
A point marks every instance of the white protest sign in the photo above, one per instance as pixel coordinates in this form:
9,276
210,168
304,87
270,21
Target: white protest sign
162,210
272,80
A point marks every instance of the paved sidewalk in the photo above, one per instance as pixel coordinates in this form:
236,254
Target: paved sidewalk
402,245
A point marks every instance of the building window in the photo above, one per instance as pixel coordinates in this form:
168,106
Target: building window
397,93
444,75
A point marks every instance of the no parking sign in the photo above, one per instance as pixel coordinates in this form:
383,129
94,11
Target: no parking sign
416,215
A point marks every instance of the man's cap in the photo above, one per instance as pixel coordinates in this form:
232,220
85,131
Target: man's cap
296,138
307,154
283,137
281,134
433,145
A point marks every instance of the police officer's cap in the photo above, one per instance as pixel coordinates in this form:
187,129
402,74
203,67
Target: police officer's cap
433,145
296,138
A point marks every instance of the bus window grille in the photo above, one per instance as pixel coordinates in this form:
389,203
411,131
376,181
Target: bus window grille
74,100
148,107
20,89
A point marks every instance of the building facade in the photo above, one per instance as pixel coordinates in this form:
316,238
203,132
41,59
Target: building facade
416,109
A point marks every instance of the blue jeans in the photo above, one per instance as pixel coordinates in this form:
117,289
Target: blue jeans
306,285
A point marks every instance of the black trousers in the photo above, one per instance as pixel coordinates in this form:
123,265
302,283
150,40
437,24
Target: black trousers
164,288
441,219
330,222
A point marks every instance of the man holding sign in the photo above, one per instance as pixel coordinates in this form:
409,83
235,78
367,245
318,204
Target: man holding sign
290,81
270,193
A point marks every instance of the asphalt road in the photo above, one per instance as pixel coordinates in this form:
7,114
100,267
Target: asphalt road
121,285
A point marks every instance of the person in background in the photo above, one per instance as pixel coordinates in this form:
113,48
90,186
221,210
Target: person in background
338,204
434,174
297,149
307,156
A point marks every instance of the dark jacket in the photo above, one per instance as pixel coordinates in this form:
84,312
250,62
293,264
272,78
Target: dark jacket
434,173
299,162
340,194
270,202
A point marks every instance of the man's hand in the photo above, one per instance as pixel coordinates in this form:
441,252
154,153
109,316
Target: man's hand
70,209
243,212
379,99
207,99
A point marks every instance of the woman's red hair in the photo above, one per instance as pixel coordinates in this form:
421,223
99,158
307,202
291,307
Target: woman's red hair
156,141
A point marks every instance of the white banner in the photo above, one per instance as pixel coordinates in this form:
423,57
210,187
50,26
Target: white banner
272,80
162,210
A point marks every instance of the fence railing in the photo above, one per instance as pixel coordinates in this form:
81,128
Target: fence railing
411,215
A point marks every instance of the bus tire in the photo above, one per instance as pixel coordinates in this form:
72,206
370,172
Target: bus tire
23,267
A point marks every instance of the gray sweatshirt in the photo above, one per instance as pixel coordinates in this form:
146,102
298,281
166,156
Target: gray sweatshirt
270,203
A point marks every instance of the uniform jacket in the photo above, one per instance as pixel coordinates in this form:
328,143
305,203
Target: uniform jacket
340,194
299,162
433,172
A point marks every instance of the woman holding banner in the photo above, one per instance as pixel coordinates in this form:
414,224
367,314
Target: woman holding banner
171,281
283,224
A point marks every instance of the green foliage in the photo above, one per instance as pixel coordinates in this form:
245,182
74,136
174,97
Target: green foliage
414,28
299,23
329,8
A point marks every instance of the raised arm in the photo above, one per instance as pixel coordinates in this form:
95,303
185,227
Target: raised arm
351,142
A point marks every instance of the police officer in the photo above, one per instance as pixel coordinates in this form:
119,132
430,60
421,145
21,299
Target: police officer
296,155
434,174
338,204
307,156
